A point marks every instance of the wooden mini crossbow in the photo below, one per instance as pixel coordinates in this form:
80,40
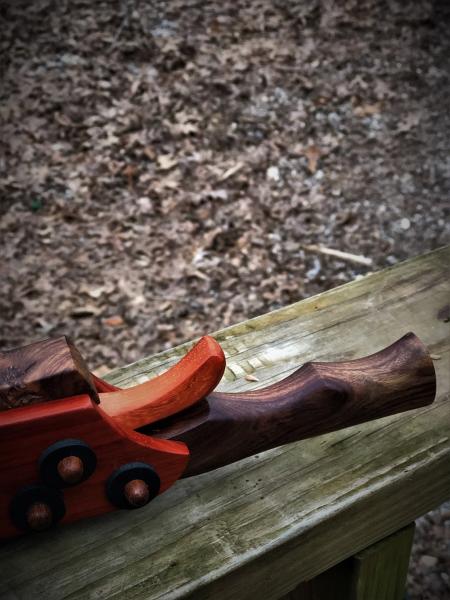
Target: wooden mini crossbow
74,446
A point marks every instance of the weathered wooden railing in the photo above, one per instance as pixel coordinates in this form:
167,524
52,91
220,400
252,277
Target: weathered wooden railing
292,522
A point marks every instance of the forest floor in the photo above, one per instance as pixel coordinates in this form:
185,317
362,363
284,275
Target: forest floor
167,168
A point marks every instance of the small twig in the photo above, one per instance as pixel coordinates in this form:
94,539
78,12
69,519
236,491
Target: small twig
127,6
356,258
229,172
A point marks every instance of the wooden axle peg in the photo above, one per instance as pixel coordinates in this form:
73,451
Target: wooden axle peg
39,516
71,469
136,492
37,507
133,485
66,463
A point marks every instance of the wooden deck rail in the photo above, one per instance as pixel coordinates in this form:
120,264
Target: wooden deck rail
260,527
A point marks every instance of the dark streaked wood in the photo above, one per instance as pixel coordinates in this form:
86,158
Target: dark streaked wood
315,399
47,370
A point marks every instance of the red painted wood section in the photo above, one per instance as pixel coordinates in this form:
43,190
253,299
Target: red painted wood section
185,384
26,432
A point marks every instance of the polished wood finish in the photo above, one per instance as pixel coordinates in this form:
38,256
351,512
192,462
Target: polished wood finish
54,369
257,528
48,408
315,399
71,469
136,492
26,432
43,371
39,516
190,380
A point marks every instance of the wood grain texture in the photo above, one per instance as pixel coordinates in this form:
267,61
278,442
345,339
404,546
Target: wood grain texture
43,371
183,385
34,428
376,573
316,399
256,528
381,570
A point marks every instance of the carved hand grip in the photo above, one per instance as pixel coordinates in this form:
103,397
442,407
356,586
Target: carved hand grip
315,399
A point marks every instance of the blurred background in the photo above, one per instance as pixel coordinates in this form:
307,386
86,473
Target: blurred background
170,168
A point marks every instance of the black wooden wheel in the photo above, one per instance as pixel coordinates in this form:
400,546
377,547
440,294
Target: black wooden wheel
51,459
38,497
138,472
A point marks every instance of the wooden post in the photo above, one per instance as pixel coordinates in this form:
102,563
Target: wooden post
376,573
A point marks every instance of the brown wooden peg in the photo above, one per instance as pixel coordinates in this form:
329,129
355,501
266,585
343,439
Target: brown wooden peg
71,469
136,492
39,516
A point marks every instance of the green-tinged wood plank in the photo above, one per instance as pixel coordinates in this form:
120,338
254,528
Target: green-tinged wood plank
380,571
259,527
376,573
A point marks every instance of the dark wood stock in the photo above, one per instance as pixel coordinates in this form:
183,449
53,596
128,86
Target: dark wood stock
47,370
315,399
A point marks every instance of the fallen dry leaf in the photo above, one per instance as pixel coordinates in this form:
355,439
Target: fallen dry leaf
166,161
367,110
114,321
312,153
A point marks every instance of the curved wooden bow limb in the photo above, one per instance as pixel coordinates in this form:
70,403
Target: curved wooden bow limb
190,380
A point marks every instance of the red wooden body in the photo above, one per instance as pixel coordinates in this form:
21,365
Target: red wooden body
26,432
45,374
186,383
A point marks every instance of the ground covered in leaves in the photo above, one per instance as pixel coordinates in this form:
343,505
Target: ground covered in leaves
169,168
